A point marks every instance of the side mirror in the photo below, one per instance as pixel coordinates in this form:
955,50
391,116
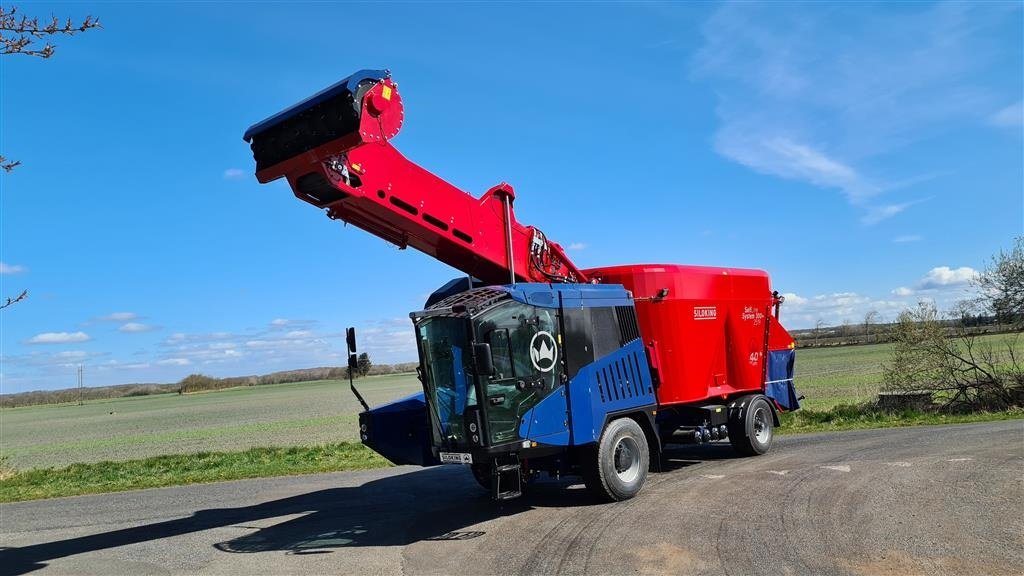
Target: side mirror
353,364
350,339
483,359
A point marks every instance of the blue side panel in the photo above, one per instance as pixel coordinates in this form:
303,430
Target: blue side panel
619,381
573,295
547,422
400,431
780,386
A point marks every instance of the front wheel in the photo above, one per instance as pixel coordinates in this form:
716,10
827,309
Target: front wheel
617,467
752,434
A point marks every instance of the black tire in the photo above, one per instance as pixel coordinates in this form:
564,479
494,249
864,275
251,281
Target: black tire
482,475
751,428
616,468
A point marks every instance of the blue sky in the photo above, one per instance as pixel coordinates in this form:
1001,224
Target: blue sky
866,155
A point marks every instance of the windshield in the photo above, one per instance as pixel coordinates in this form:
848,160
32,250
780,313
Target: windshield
444,348
524,348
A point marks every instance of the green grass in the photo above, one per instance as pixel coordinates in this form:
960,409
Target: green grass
167,439
179,469
829,377
303,414
846,417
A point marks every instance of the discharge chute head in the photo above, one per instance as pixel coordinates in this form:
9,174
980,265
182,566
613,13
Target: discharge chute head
360,109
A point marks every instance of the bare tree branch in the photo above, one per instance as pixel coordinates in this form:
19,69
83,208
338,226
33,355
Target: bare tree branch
964,372
15,300
8,165
20,34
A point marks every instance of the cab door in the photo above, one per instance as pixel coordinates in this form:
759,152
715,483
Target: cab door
525,348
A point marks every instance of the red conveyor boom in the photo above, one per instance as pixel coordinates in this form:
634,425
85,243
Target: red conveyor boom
334,150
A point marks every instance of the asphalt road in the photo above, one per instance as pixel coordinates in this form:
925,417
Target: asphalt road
927,500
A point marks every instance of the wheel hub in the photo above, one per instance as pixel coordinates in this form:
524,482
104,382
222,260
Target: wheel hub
762,430
627,459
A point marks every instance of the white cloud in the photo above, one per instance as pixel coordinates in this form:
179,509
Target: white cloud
292,324
58,338
951,281
119,317
234,174
876,214
174,362
836,308
390,340
817,96
6,268
907,238
1010,117
51,363
944,276
794,298
943,286
781,156
578,246
134,327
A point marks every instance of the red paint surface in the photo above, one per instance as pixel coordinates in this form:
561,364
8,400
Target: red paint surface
709,334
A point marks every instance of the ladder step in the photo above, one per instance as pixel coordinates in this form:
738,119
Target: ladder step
507,468
509,495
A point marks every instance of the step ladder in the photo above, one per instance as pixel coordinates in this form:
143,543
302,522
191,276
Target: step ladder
506,481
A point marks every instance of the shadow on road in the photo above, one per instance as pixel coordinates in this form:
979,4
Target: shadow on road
424,505
676,456
429,504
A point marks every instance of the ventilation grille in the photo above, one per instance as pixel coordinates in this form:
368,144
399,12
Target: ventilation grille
472,299
628,330
621,379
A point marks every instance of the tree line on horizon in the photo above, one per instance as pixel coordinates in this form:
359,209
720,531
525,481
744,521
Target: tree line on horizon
201,383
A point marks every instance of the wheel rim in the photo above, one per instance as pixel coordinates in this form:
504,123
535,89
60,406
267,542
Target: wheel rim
627,459
762,426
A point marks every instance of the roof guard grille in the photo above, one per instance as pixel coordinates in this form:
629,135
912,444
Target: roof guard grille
472,300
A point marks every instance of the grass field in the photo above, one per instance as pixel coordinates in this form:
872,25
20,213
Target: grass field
304,414
843,375
853,374
309,413
177,469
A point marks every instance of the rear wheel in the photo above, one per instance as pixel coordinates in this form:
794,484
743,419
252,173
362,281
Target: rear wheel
617,467
752,433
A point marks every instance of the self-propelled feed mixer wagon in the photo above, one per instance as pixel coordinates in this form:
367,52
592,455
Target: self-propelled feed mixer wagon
528,363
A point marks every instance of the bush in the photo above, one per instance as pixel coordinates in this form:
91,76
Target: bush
965,373
6,470
200,382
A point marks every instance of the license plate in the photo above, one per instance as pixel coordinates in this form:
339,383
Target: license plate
456,458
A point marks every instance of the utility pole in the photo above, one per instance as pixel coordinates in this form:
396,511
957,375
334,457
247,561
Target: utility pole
80,388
